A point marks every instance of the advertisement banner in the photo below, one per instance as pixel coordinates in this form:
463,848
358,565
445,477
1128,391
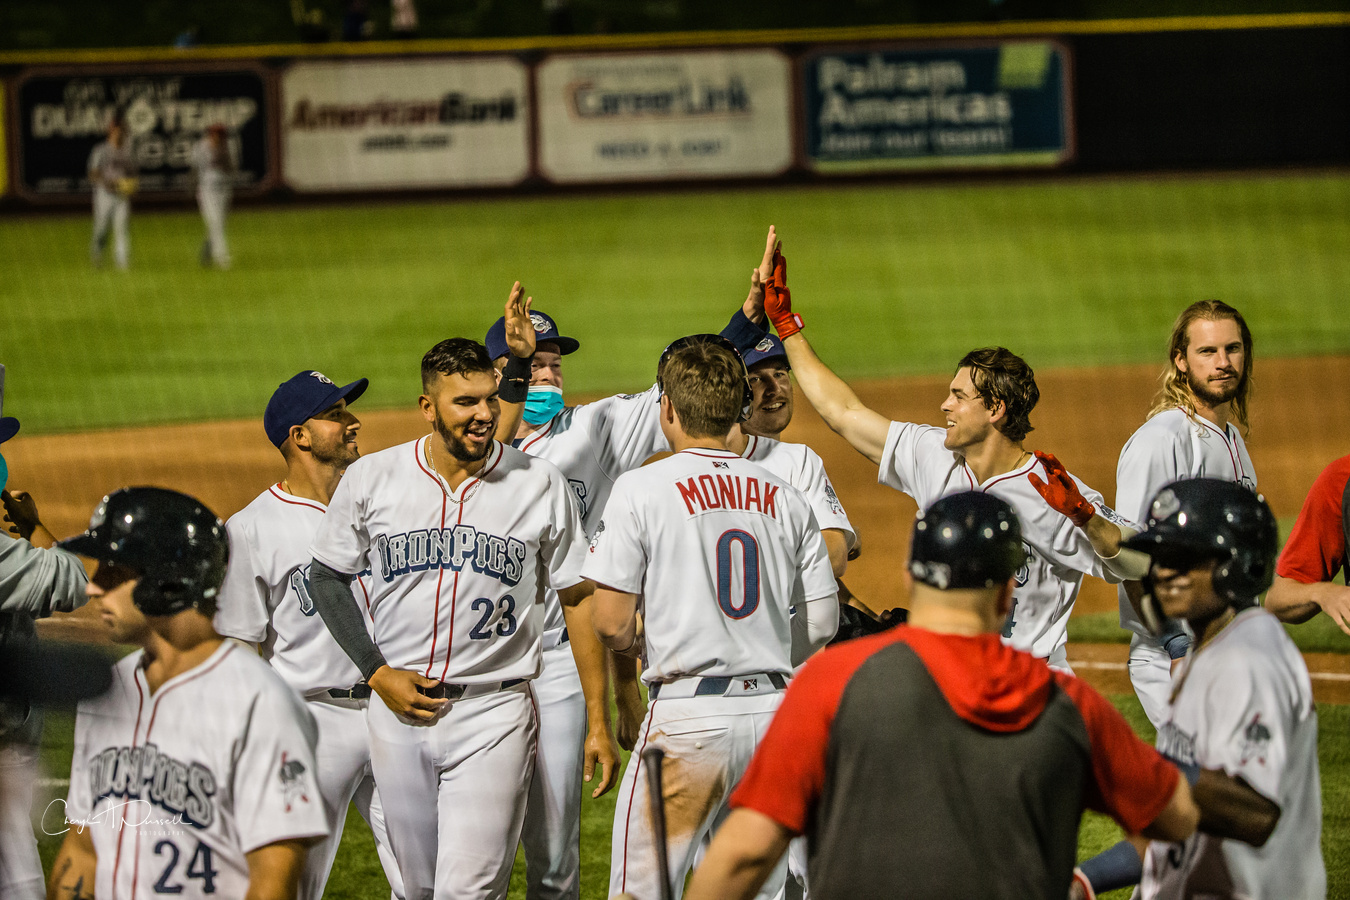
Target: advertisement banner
62,117
997,105
421,123
663,116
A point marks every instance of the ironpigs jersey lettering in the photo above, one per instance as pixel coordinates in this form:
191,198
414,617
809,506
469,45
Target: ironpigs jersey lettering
1058,553
266,599
717,572
802,467
1245,706
178,786
1168,447
593,444
458,576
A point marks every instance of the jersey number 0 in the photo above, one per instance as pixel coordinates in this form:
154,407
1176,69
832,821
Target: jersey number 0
749,599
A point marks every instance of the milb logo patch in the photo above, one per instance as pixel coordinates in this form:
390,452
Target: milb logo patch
451,548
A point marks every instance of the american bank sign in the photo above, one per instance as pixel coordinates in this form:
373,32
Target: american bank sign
358,125
664,116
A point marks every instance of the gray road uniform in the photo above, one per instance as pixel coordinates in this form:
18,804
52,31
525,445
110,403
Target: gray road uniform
215,168
33,583
109,170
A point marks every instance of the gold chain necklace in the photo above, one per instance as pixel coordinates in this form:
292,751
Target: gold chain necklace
445,486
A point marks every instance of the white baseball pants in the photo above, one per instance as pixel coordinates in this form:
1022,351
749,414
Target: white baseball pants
20,868
454,792
708,742
343,760
111,210
214,204
552,833
1151,675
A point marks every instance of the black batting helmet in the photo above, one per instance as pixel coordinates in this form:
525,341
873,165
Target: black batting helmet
1204,518
966,540
176,546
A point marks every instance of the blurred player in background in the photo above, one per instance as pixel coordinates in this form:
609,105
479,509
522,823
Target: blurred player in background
1194,430
700,562
112,173
463,534
35,580
1316,550
1068,530
934,760
1242,704
593,444
214,163
195,774
266,600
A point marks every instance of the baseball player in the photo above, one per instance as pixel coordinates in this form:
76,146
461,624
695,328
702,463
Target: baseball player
1315,552
112,173
592,444
1194,430
1242,701
265,599
195,774
700,559
214,162
462,535
34,581
1068,530
985,798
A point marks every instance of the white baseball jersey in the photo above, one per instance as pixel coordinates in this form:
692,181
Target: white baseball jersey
1168,447
720,550
593,444
266,599
802,467
457,577
1058,552
1245,706
176,787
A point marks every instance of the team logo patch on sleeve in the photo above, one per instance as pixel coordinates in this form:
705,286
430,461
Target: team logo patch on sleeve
1255,741
293,788
833,499
599,530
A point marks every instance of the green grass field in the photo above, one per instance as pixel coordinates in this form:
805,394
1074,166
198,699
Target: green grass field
892,280
1064,272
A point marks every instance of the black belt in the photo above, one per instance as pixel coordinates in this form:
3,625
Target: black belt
717,685
447,691
358,691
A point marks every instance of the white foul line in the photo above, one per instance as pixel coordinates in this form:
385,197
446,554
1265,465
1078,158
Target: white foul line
1120,667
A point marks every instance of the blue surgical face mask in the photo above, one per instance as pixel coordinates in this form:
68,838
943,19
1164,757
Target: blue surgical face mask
542,403
4,472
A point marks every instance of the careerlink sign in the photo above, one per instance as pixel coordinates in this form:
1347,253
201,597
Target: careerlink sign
1003,105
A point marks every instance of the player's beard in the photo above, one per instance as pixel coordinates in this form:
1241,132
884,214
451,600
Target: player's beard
1214,396
337,454
456,446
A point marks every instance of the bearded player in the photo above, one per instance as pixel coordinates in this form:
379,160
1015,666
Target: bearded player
1068,530
593,444
195,774
699,563
463,535
1194,430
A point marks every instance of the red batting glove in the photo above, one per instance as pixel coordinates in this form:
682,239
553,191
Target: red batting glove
1062,493
778,300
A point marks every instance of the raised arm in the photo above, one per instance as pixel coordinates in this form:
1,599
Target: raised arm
515,383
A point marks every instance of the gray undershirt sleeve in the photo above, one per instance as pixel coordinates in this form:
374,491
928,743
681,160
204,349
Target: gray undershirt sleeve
332,594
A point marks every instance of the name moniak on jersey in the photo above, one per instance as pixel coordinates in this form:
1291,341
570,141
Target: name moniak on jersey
451,548
711,492
143,773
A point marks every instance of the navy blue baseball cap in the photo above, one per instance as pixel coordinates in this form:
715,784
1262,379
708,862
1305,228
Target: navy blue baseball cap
545,329
302,397
9,426
768,348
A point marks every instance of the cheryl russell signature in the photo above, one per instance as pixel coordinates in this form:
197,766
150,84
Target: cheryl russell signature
132,813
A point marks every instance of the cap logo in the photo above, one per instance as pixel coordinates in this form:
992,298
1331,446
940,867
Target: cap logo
321,377
1165,505
541,325
764,346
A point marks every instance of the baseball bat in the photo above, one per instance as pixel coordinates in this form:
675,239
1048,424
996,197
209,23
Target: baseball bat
654,757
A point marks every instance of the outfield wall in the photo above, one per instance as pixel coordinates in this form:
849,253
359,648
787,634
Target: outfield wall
512,116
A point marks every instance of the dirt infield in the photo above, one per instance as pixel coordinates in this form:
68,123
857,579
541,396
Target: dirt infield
1299,424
